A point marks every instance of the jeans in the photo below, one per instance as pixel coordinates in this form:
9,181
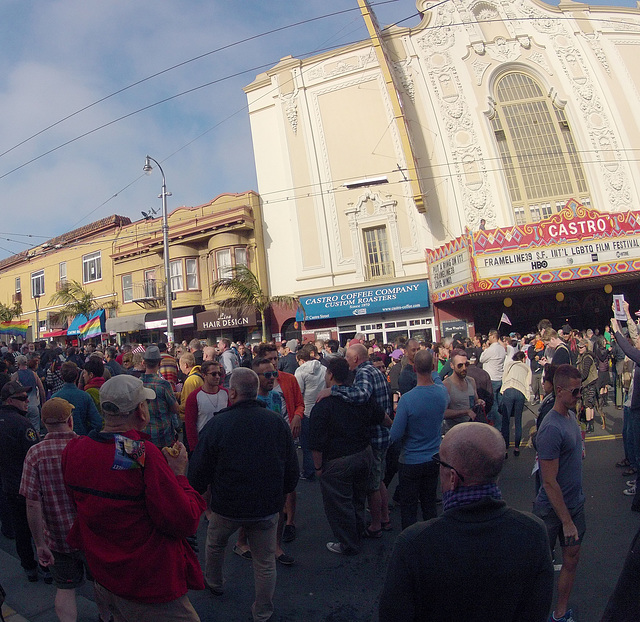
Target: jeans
24,548
494,416
512,406
634,437
418,482
626,433
344,491
262,540
308,468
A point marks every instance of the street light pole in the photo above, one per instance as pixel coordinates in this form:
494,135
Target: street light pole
165,239
36,298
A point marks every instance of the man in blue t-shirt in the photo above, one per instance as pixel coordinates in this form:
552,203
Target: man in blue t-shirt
560,501
418,423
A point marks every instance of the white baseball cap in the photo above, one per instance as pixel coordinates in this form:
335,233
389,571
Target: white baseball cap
122,394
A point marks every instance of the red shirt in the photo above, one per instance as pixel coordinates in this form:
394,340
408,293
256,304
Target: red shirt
132,523
42,481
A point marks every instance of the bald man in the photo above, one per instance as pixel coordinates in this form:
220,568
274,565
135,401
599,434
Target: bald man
480,560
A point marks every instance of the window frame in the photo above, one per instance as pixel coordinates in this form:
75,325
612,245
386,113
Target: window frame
179,277
37,276
127,288
193,273
87,260
18,285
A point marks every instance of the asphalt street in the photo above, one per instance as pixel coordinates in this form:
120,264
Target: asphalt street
323,586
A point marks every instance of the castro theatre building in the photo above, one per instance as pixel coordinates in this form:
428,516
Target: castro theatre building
565,268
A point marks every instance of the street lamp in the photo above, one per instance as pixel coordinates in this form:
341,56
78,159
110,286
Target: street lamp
165,238
36,298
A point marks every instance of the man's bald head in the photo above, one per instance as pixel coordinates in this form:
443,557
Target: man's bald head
476,450
356,354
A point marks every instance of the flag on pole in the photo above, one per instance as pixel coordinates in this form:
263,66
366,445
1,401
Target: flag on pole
505,320
16,328
91,328
139,350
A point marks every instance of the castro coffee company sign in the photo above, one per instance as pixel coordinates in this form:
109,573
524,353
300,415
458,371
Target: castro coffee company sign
221,319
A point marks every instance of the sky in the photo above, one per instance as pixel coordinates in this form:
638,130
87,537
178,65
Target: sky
60,171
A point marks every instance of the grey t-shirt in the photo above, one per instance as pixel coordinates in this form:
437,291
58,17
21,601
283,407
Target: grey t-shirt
560,438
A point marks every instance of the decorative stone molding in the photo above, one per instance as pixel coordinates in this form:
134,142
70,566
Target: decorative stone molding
350,64
503,50
479,68
289,102
594,42
541,61
406,79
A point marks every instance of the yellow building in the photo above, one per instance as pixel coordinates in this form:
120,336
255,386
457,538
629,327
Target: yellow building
121,263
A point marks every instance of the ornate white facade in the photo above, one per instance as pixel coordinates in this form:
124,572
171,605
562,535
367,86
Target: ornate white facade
324,125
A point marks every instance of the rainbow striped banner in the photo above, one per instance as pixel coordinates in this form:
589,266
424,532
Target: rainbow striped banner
16,328
91,328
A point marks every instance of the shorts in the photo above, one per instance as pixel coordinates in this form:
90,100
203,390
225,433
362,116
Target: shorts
68,570
378,468
554,524
589,395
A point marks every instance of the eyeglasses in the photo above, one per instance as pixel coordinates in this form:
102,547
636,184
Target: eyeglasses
574,392
21,398
269,374
214,373
461,365
436,459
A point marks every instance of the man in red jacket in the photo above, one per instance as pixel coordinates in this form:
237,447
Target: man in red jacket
135,510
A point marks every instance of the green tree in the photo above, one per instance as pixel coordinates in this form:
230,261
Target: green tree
245,292
75,301
7,313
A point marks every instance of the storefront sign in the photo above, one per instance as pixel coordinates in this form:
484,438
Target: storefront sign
576,243
449,329
219,319
380,299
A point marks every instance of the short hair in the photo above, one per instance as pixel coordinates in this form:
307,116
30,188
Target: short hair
206,365
260,361
245,382
423,362
111,352
339,368
563,374
519,356
458,352
126,347
226,342
262,348
494,333
304,354
549,372
94,366
195,344
69,371
188,359
333,345
549,334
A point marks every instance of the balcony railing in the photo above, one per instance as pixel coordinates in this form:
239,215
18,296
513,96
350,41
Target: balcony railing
149,293
381,270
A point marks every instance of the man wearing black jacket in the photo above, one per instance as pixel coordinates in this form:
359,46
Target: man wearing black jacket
246,454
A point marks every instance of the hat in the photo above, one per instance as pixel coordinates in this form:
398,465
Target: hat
12,388
397,354
292,344
152,353
583,343
122,394
56,410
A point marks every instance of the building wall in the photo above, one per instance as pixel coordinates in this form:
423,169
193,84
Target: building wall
325,121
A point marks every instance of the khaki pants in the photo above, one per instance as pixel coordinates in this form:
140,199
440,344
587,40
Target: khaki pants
179,610
262,540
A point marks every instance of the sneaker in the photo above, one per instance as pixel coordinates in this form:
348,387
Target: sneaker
289,533
215,590
567,617
335,547
631,482
630,492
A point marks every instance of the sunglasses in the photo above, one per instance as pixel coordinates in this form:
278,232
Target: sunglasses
574,392
269,374
441,463
461,365
21,398
214,373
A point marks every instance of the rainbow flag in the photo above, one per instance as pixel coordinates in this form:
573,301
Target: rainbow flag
17,328
91,328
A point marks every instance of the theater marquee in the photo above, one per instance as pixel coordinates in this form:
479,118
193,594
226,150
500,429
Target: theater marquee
577,243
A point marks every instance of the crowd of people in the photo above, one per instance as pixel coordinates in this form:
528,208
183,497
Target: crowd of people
111,457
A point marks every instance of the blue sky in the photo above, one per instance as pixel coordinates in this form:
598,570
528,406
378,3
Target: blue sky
62,55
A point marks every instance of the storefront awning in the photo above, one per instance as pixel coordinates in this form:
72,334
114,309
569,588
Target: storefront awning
184,316
55,333
126,323
81,319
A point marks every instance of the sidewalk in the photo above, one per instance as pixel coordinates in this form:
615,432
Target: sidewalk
33,602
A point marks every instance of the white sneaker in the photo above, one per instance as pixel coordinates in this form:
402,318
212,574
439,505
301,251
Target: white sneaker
335,547
631,482
630,492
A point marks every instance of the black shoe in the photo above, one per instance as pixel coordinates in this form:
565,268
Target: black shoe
289,533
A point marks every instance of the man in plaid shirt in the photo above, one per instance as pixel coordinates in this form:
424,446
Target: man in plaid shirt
163,411
50,511
370,383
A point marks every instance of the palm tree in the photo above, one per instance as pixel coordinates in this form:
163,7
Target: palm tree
7,313
75,301
244,291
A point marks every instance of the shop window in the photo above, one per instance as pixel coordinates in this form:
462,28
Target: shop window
539,157
376,248
192,273
177,283
92,267
127,288
37,284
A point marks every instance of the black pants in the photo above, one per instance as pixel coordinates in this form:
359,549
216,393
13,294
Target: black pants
624,603
24,548
418,482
